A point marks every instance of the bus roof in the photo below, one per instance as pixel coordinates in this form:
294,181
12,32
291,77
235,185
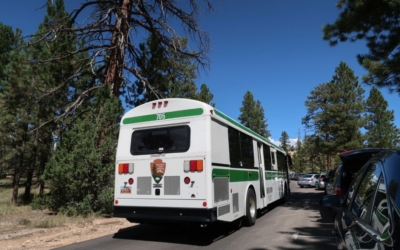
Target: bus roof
171,108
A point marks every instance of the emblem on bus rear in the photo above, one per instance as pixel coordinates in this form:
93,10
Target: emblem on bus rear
157,168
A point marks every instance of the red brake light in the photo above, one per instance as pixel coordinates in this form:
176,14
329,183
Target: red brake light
193,165
338,191
130,181
186,180
125,168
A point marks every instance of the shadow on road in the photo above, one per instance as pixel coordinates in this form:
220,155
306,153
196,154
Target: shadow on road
177,234
317,236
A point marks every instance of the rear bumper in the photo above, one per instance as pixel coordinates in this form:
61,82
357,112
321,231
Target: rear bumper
164,214
305,183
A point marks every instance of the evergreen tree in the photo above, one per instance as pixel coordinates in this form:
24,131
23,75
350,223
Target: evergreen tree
252,115
205,95
284,140
171,76
8,41
381,132
377,22
16,111
48,75
80,173
334,113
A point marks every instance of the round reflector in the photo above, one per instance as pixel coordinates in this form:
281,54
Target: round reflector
130,181
205,204
186,180
116,201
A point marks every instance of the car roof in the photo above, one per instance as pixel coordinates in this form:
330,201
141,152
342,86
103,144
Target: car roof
358,157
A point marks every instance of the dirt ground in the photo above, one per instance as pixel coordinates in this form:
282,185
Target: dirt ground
19,237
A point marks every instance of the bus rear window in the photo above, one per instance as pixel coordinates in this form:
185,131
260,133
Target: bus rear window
160,140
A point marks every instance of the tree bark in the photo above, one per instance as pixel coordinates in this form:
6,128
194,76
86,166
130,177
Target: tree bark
31,169
118,43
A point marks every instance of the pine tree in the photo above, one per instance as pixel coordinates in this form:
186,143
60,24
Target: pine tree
80,173
334,113
381,131
169,76
285,141
205,95
252,115
375,21
48,75
16,111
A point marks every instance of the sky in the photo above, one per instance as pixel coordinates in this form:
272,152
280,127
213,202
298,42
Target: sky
274,49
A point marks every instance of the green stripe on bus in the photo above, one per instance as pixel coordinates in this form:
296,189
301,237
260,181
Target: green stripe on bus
163,116
236,175
222,115
273,174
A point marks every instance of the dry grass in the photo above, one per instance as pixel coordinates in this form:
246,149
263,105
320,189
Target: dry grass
22,216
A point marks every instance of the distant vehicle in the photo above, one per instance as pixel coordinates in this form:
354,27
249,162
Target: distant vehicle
328,177
369,217
299,176
308,180
320,184
343,175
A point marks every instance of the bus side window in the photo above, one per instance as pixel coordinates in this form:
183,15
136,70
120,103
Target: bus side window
234,147
246,148
273,158
267,157
281,162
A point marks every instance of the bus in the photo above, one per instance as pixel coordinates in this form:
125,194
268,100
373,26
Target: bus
181,160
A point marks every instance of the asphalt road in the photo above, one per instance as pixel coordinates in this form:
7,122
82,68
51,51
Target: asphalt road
300,223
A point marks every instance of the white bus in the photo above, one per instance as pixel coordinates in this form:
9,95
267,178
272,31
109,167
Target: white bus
181,160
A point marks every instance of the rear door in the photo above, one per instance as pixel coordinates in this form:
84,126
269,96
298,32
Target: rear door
365,216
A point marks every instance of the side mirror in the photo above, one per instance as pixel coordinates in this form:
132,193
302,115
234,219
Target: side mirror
330,201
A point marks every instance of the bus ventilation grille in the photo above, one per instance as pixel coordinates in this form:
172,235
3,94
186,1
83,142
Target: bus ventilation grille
172,185
221,189
223,210
235,202
144,185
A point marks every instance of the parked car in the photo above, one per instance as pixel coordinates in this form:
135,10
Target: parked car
308,180
343,175
299,176
328,177
369,217
320,184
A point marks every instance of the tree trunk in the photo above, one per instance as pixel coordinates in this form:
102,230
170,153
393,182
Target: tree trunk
118,43
16,178
31,169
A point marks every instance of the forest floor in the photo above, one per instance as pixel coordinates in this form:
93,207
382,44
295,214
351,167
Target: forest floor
21,227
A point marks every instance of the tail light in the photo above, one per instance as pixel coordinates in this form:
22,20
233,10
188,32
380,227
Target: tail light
338,191
193,166
309,179
125,168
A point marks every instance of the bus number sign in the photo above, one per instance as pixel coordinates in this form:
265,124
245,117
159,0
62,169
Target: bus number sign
160,116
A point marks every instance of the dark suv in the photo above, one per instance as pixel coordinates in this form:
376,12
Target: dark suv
369,216
343,175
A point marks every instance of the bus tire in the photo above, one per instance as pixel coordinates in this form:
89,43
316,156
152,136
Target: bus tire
251,208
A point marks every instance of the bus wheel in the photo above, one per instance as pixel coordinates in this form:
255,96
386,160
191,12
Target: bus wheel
251,208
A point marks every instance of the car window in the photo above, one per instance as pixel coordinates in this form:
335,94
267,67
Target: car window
306,176
336,174
380,216
364,194
353,187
